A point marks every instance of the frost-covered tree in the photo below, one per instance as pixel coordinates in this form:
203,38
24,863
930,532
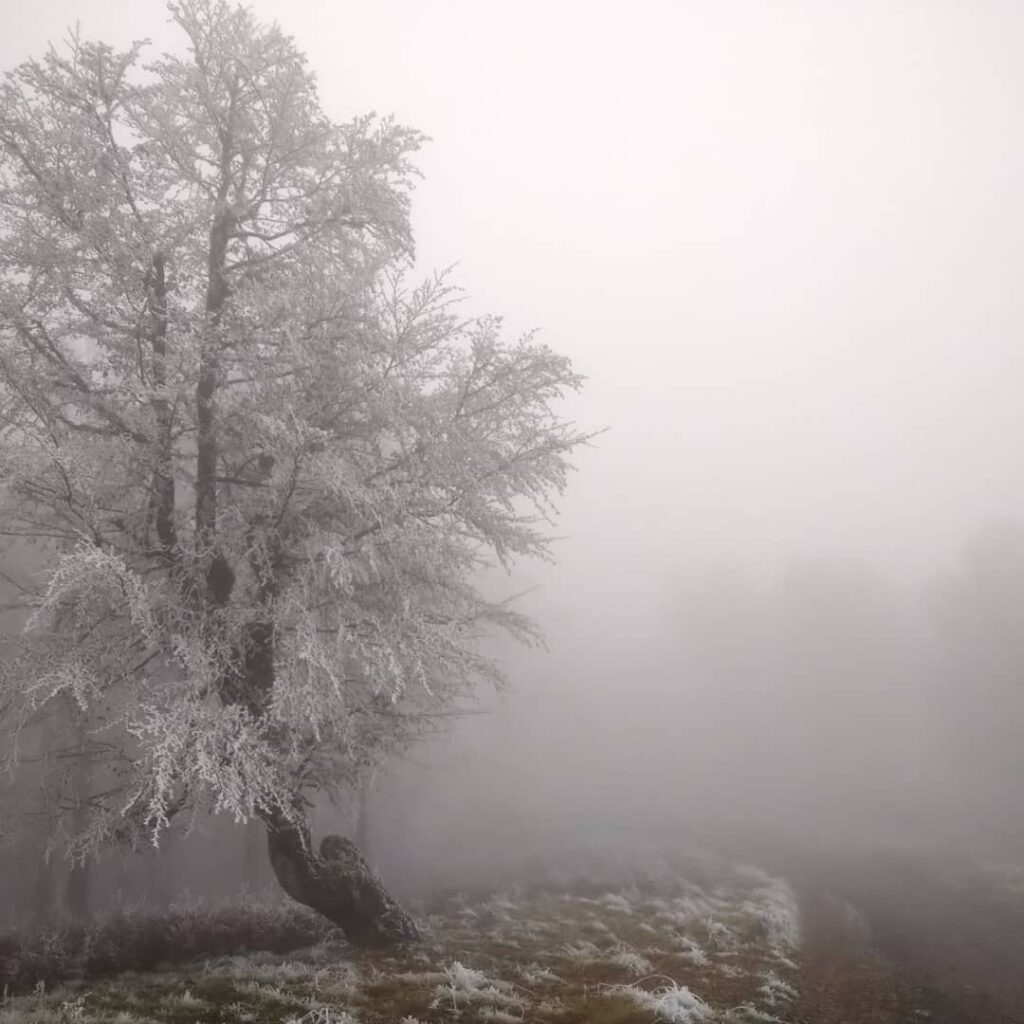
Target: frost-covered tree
262,474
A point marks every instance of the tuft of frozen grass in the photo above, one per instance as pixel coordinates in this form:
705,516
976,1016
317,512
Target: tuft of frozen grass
720,937
775,907
775,990
534,974
674,1003
632,961
621,956
690,951
72,1011
503,902
466,985
616,901
581,952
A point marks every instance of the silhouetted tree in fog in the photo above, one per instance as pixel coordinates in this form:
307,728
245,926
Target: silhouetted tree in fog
978,614
802,695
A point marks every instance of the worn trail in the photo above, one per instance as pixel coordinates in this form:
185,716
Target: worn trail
898,939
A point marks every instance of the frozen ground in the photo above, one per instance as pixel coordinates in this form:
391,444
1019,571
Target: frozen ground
721,946
874,939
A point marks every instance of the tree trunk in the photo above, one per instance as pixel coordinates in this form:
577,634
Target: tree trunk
77,885
252,857
42,892
337,883
163,870
77,892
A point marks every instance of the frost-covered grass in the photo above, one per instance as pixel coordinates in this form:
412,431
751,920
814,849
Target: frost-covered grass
723,947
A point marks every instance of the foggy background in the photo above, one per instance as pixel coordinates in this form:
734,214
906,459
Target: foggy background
783,241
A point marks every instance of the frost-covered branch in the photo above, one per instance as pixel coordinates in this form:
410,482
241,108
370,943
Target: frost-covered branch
263,472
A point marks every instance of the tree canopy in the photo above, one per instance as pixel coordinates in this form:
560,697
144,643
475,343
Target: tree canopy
261,472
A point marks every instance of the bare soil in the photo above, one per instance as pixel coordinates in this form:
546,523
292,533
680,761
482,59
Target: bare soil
890,940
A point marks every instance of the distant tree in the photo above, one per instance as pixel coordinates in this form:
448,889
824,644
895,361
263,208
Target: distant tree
261,473
978,616
806,693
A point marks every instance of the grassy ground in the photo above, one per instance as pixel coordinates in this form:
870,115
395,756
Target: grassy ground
711,945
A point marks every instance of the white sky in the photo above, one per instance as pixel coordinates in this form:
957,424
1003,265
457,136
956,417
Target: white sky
782,240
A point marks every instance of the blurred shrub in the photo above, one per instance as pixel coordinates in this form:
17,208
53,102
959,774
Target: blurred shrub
141,940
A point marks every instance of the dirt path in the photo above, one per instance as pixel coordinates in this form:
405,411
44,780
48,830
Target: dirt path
845,980
926,942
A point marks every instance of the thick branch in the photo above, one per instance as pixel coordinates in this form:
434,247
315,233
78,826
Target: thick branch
163,497
206,387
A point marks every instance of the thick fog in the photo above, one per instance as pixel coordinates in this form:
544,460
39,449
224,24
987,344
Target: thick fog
783,243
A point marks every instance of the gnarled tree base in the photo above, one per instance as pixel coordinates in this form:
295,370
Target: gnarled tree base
338,884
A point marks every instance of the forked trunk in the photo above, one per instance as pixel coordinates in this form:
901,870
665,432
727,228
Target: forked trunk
337,883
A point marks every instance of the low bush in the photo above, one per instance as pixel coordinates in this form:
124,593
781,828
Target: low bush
141,940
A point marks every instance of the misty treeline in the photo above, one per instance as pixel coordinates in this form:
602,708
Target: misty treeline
864,707
252,472
820,705
825,705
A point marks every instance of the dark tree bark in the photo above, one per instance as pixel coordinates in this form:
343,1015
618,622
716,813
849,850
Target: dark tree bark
337,883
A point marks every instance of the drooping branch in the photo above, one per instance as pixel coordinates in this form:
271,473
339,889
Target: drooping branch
38,340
